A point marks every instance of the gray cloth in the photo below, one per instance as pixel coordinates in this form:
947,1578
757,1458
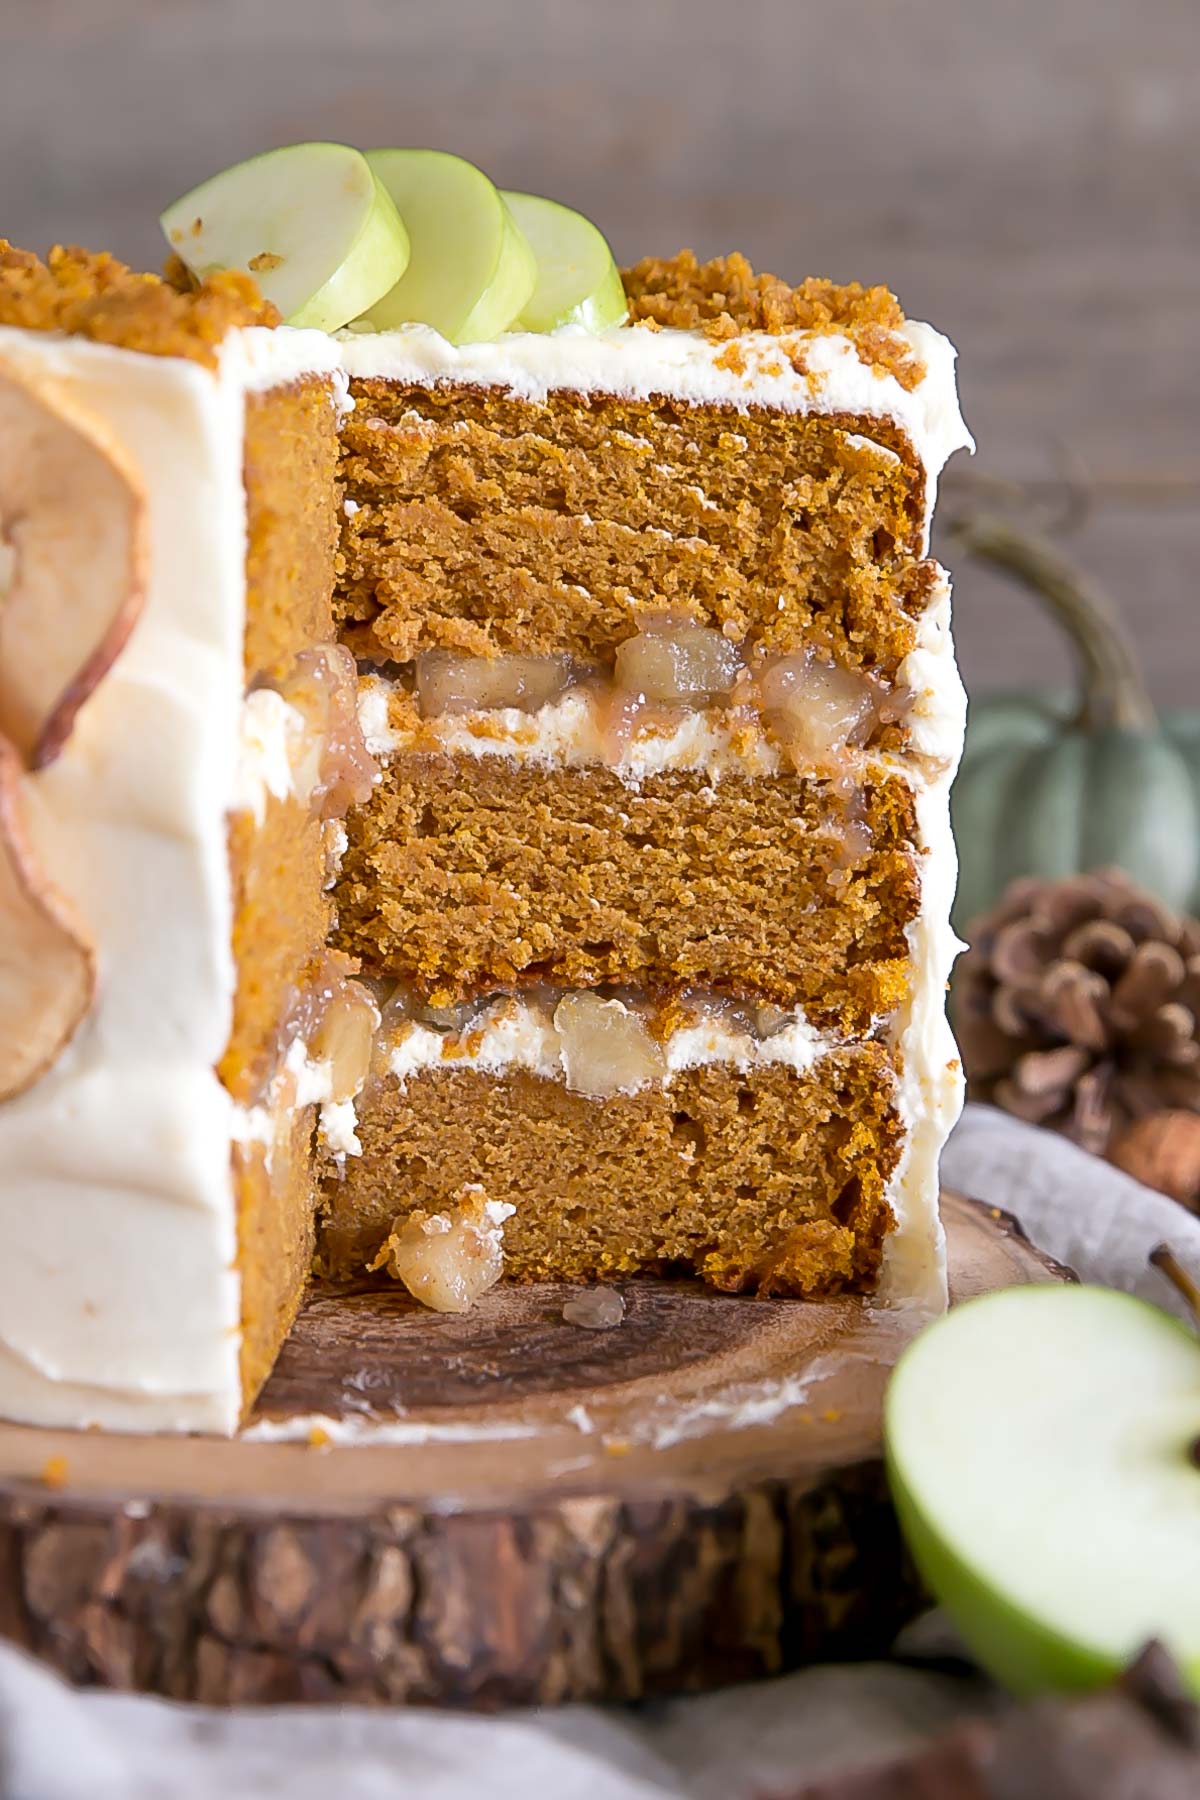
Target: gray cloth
56,1744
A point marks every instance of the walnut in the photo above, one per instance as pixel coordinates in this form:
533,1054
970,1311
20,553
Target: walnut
1163,1152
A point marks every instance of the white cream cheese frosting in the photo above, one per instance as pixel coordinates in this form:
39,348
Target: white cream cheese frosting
572,733
119,1291
931,1087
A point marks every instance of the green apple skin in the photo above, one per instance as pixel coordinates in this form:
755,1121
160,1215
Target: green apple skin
578,280
319,209
471,270
1020,1652
500,304
1027,1653
370,270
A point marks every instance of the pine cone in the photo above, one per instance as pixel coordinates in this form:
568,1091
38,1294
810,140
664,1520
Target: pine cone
1076,1006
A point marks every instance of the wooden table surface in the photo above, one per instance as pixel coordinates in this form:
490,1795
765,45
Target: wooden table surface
1025,173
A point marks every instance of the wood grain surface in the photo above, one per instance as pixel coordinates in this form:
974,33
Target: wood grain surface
503,1508
1026,173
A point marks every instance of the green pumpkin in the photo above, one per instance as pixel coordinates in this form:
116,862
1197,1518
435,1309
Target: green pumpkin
1053,785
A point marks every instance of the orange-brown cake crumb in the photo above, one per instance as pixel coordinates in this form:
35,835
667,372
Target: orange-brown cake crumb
94,296
55,1472
762,1180
724,297
486,523
461,877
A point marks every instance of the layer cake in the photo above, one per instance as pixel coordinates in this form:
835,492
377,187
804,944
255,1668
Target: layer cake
514,833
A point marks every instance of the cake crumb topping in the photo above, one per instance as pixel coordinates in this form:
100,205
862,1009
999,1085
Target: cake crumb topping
724,298
90,295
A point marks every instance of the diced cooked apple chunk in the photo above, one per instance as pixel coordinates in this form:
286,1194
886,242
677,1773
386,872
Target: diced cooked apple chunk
675,661
606,1048
447,683
817,708
336,770
447,1260
345,1039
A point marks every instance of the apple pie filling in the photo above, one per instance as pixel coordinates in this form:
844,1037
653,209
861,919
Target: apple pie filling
598,1042
671,679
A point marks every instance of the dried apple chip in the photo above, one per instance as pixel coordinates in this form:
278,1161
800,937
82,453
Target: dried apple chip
47,960
72,560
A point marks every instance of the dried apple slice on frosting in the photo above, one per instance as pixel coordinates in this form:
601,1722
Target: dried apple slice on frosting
578,282
72,560
47,959
471,270
310,222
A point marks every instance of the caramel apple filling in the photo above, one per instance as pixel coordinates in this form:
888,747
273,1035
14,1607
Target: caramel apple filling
808,709
598,1042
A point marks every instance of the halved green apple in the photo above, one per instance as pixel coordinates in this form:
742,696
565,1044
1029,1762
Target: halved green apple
471,270
1042,1448
310,222
578,282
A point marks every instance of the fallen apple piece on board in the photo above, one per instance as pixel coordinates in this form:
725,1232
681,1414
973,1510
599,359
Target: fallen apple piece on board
73,549
1140,1737
47,961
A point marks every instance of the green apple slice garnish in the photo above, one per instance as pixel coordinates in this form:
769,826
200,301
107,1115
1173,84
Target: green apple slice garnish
1043,1445
310,222
471,270
578,282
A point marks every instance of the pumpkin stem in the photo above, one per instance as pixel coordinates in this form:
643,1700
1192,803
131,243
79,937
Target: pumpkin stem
1111,688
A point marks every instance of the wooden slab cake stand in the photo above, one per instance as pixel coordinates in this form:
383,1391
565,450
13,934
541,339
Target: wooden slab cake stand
507,1509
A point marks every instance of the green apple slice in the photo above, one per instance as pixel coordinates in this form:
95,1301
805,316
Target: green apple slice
310,222
578,283
471,270
1042,1448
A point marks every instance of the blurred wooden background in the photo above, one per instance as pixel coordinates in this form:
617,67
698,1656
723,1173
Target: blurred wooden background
1025,173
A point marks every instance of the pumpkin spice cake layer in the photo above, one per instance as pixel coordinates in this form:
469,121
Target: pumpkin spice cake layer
277,841
466,875
484,523
541,494
771,1176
